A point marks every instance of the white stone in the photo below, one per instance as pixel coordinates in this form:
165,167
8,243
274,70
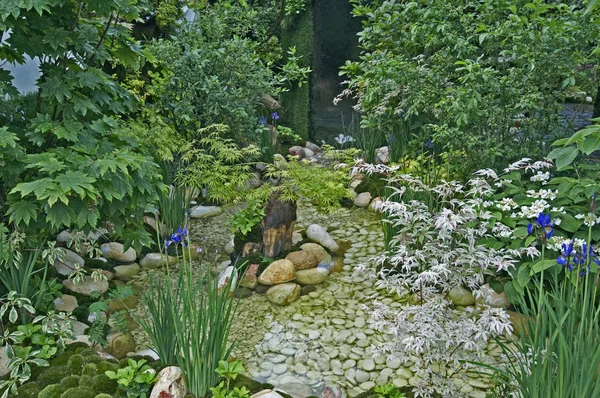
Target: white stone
319,235
205,211
170,383
363,200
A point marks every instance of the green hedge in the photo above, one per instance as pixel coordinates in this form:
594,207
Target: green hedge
296,102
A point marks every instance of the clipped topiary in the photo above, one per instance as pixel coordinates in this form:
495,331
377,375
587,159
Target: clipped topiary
51,391
53,375
75,364
79,392
70,382
101,383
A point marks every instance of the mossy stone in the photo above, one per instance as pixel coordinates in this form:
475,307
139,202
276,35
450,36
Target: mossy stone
70,382
372,394
96,359
90,369
79,392
103,395
77,348
85,381
88,352
51,391
101,383
75,364
29,390
53,375
60,359
244,381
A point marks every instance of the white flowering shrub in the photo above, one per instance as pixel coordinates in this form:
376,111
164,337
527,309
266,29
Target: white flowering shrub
435,249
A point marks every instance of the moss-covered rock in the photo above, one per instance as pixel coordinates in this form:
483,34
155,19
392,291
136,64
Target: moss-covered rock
244,381
29,390
106,365
70,382
75,364
101,383
79,392
90,369
51,391
60,359
102,395
85,381
53,375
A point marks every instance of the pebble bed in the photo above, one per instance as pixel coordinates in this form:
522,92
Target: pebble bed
323,339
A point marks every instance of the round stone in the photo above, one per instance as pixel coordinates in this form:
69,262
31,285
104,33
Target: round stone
280,369
368,365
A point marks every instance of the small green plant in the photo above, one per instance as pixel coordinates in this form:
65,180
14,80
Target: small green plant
99,310
244,220
294,7
229,371
137,378
388,391
287,136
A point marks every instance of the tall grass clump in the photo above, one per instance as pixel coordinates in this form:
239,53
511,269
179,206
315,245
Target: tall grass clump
173,199
188,318
558,353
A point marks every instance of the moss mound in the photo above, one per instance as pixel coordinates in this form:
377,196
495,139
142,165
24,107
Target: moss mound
53,375
79,392
101,383
28,390
70,382
51,391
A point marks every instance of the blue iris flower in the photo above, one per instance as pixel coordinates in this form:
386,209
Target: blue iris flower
262,121
178,237
275,116
544,222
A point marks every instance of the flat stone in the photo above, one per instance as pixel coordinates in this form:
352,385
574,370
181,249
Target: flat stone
368,365
303,259
126,272
280,369
363,200
461,296
317,250
205,211
312,276
71,263
157,260
87,286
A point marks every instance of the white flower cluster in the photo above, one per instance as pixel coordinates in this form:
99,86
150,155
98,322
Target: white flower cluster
537,207
433,251
589,219
506,204
542,194
556,242
541,177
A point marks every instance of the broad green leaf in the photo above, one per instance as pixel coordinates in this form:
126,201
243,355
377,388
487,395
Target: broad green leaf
22,211
591,144
78,182
38,187
7,139
523,275
542,265
563,156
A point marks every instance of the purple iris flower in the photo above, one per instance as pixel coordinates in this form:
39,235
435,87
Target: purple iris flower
544,222
275,116
262,121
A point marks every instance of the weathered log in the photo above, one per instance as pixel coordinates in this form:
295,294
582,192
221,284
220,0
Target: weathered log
278,226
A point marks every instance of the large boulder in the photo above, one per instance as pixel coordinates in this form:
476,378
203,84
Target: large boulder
312,276
284,294
116,251
488,296
156,260
120,344
65,303
302,259
205,211
313,147
126,272
317,250
71,263
170,383
86,286
319,235
297,151
280,271
461,296
363,200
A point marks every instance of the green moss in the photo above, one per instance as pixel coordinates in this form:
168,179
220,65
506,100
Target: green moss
296,102
75,364
90,369
60,359
85,381
70,382
244,381
88,352
106,365
102,395
79,392
53,375
96,359
372,394
101,383
51,391
29,390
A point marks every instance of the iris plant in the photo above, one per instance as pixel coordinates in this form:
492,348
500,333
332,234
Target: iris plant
545,223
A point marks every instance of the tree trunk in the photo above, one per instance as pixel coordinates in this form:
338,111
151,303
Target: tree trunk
277,226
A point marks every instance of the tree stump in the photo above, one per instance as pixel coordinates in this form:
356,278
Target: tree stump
277,226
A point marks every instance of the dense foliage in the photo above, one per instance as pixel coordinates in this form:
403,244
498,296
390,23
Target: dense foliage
483,79
67,160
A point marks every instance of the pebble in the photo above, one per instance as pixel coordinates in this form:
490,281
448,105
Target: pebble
368,365
280,369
